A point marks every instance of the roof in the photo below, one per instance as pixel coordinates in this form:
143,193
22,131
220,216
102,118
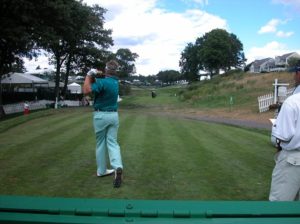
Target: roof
260,62
74,84
283,57
21,78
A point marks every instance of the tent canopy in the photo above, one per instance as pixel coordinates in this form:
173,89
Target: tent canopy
75,88
74,84
21,78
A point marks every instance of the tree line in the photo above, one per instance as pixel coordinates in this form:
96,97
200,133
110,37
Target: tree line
71,31
74,34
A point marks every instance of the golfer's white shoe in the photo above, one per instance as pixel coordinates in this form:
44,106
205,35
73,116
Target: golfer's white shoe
107,172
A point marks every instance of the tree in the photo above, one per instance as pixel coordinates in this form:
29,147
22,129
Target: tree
169,76
126,61
89,40
212,52
57,19
70,27
293,62
17,17
220,50
91,57
189,63
61,27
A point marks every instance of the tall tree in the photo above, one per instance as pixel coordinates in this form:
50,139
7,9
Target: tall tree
212,52
61,27
126,60
169,76
91,57
89,38
17,17
190,63
220,50
75,26
58,22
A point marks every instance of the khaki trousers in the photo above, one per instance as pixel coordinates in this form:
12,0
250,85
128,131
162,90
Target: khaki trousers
285,185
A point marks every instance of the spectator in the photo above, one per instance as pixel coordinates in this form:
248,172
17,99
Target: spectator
285,184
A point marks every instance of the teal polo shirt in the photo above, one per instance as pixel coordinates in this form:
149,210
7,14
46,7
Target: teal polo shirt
106,92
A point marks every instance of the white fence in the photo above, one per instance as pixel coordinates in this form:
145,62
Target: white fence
35,105
265,101
71,103
19,107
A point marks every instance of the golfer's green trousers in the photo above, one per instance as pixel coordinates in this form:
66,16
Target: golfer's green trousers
106,125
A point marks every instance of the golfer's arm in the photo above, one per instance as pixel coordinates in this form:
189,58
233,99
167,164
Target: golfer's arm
87,84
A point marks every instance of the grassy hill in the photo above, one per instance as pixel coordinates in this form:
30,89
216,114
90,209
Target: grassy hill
244,88
212,97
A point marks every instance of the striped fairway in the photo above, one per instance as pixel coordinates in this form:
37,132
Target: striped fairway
52,154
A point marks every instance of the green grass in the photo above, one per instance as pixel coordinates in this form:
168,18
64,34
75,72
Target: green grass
244,88
140,98
52,153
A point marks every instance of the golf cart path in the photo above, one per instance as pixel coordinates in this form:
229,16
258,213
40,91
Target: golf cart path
230,121
250,122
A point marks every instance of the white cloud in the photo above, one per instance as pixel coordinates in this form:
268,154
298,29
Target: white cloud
288,2
293,3
271,49
156,35
197,2
202,2
270,27
284,34
42,61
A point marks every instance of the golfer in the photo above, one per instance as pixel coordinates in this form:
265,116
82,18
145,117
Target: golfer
106,120
285,184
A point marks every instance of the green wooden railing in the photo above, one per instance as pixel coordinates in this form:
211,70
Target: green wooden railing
21,209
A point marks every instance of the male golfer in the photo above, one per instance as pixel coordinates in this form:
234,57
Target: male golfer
285,184
106,120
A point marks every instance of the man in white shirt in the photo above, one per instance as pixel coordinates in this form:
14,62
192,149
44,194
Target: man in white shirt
285,184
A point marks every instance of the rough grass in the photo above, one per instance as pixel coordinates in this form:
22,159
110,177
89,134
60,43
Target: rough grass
51,153
243,88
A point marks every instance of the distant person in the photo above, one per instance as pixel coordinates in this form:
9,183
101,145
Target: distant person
285,184
153,94
106,120
26,108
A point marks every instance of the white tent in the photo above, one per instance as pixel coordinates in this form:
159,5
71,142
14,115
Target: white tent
75,88
21,78
21,82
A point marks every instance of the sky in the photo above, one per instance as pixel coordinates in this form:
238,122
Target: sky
159,30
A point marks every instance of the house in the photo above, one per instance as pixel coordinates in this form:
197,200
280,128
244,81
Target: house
263,65
282,61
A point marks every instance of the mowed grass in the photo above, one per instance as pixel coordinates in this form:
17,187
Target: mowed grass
52,153
140,98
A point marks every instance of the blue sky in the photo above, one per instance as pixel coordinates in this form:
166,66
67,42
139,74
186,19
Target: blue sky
158,30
